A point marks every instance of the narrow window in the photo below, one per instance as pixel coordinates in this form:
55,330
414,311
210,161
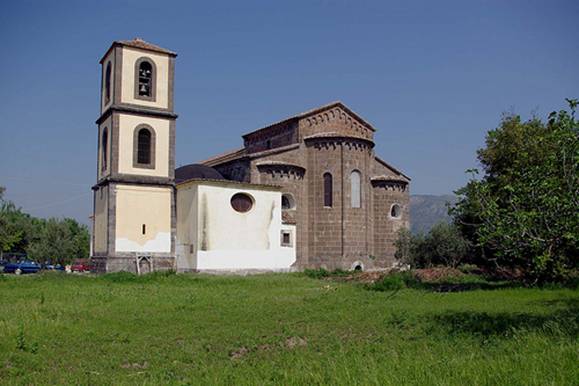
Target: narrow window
328,190
355,190
104,149
145,79
144,146
286,239
144,229
108,83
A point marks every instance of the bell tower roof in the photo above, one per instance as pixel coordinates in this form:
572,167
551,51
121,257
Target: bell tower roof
141,44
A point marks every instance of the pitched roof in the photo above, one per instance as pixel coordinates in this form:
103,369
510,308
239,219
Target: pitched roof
141,44
224,157
395,170
316,111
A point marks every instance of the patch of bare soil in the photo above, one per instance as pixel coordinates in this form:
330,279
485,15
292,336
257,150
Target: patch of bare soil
290,344
239,353
436,274
361,277
139,366
295,341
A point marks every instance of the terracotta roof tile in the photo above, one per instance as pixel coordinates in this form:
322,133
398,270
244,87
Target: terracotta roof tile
224,157
140,43
286,218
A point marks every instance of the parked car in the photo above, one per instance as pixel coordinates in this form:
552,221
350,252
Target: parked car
81,266
2,264
25,266
52,267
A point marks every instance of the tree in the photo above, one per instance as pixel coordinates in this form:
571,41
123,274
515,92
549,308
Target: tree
523,213
60,241
443,245
10,233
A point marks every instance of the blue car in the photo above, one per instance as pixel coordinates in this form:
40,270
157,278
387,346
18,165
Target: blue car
53,267
22,267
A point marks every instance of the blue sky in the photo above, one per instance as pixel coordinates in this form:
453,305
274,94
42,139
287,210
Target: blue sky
431,76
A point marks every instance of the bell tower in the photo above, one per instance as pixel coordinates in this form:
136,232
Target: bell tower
134,200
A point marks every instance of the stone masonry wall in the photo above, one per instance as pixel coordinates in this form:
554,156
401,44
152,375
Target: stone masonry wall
386,227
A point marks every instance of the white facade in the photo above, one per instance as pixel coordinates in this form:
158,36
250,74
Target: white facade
213,236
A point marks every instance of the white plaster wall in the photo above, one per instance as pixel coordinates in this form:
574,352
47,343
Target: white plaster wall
138,205
127,125
224,239
130,57
186,207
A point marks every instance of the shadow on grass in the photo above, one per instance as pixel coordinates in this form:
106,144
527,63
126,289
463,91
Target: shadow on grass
460,287
400,280
563,321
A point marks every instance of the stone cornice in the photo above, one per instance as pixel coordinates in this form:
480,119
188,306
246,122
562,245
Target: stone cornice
138,110
336,137
135,180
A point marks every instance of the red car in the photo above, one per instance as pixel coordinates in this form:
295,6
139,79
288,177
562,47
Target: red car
81,266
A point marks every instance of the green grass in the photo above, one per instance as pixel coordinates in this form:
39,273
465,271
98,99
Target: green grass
280,329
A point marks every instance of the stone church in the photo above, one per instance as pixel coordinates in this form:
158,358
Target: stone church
305,192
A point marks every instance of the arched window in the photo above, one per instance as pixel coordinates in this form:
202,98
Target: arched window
396,211
108,83
328,190
287,201
356,190
144,146
104,149
145,76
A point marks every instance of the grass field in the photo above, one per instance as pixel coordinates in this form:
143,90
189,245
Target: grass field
280,329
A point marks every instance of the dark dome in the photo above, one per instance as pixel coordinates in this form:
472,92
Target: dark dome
196,171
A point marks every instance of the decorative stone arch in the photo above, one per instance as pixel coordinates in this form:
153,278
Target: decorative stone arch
357,266
152,144
153,79
144,264
281,170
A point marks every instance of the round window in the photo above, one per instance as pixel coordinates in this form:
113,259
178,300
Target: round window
241,202
395,211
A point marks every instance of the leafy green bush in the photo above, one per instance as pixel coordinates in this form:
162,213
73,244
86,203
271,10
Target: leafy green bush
443,245
316,273
395,281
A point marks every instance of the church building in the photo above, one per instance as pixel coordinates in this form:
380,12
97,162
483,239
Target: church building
305,192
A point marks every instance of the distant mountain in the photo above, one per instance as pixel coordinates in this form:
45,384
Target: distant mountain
426,210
